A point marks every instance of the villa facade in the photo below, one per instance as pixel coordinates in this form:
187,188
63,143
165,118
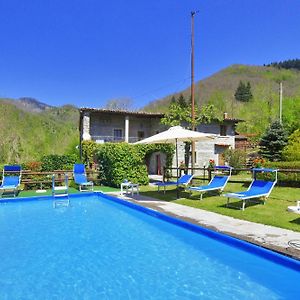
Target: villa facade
102,125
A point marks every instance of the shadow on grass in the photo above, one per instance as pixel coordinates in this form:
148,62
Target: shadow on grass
196,196
169,195
239,204
296,221
9,194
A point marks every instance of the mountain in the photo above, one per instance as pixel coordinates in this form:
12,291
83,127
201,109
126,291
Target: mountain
28,104
263,79
30,129
219,90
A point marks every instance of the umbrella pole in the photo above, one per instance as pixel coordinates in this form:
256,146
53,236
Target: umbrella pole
177,189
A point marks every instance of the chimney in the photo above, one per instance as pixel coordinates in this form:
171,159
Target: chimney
225,115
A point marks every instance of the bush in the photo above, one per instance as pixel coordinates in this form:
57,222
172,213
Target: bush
120,161
291,152
35,166
235,158
58,162
288,178
89,148
283,165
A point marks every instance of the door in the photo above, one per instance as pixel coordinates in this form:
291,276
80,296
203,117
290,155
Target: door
158,165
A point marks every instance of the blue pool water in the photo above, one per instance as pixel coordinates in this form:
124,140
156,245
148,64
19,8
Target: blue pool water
99,249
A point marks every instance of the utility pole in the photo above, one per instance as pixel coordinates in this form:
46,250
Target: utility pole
192,87
280,102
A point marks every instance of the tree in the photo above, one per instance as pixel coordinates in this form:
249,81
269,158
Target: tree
273,141
292,151
243,92
179,113
119,104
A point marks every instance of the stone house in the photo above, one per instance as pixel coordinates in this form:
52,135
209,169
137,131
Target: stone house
103,125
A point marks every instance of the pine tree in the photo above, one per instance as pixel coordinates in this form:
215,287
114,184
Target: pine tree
273,142
249,95
243,92
182,102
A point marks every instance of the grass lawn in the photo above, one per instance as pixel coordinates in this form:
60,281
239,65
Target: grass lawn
274,212
32,193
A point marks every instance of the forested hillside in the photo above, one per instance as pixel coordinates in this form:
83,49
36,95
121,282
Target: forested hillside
27,135
219,89
30,129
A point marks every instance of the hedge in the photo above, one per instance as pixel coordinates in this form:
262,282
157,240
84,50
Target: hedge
283,164
288,178
58,162
120,161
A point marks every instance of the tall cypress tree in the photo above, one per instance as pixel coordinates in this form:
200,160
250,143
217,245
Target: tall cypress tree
273,141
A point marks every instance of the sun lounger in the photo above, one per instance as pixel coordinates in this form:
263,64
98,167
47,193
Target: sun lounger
11,179
257,189
183,180
80,178
217,183
295,209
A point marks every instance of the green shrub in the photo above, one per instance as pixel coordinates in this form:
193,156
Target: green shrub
288,178
291,152
120,161
89,148
58,162
283,164
235,158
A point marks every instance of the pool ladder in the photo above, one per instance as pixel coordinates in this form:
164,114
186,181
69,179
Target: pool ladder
61,201
60,193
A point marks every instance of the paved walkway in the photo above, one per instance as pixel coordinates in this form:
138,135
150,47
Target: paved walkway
270,237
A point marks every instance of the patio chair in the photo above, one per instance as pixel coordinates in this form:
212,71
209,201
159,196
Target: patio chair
11,179
183,180
80,178
217,183
295,209
257,189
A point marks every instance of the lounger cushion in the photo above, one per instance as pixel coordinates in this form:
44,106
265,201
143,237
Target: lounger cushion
217,183
185,179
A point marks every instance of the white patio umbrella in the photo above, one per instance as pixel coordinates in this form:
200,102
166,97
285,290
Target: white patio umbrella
174,135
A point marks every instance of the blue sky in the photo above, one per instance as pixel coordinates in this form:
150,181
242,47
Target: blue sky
86,52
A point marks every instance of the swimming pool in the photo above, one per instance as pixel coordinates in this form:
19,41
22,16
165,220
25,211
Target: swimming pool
99,249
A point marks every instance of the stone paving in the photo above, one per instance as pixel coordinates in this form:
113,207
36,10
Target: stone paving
274,238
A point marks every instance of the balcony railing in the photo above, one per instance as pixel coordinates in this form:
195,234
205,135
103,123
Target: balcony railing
113,139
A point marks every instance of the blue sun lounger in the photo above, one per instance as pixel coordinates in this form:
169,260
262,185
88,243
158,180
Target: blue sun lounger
11,179
183,180
257,189
80,178
217,183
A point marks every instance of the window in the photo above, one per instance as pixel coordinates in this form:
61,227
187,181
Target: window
118,134
141,135
223,130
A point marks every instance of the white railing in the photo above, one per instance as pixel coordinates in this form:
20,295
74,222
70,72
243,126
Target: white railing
113,139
